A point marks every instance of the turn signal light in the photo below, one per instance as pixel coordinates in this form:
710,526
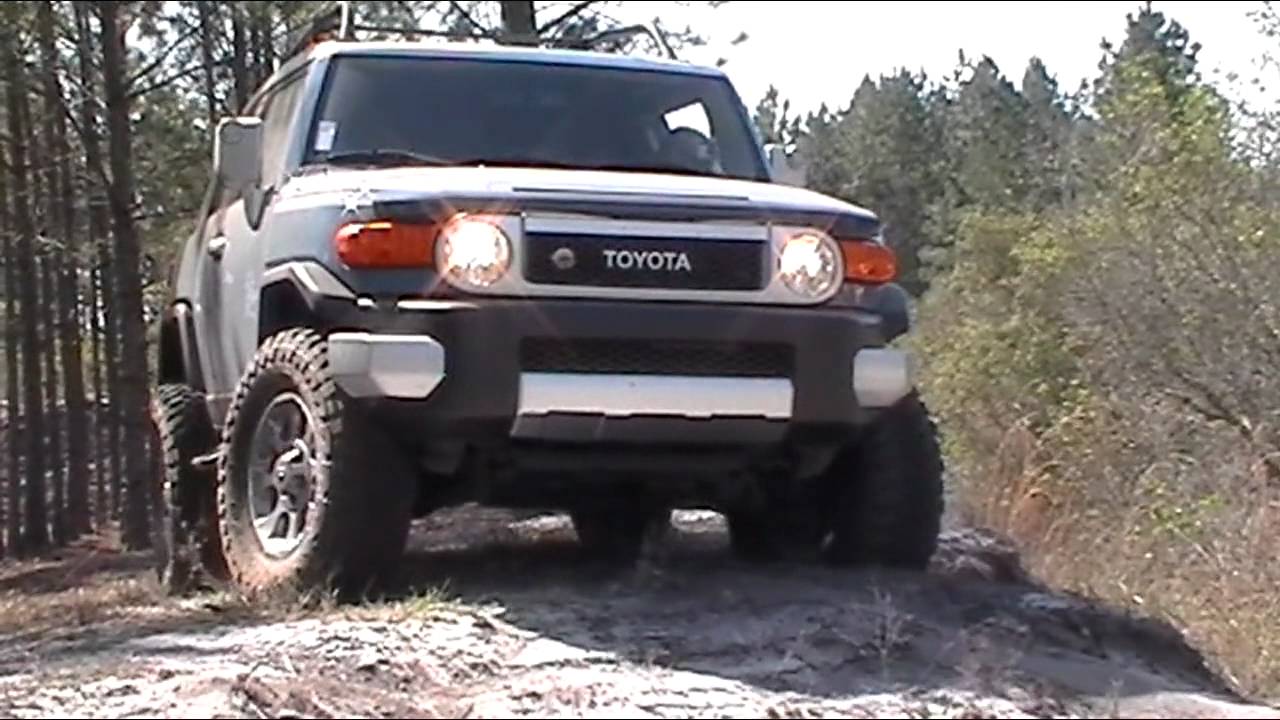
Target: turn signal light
385,244
866,261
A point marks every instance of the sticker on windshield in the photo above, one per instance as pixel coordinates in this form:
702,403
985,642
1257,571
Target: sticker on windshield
325,133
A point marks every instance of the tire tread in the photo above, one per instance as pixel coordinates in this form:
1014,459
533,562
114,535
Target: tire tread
363,503
889,497
188,537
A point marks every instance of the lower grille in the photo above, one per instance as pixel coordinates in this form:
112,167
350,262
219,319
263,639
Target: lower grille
657,357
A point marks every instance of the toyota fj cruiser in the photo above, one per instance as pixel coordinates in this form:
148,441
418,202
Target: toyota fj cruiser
429,274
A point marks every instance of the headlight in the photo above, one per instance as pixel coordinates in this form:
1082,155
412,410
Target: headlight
809,264
473,251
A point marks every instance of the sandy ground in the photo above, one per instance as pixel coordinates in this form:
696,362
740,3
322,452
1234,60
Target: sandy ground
507,620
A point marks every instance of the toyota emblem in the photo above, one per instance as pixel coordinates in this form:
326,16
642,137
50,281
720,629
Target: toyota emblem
563,259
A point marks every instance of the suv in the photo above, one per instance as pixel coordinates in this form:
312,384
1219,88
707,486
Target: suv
430,274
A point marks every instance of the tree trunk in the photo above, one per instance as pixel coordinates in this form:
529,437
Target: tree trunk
43,187
518,27
53,411
239,57
257,45
47,254
133,375
263,52
35,530
113,433
98,450
207,10
9,539
61,207
269,47
106,412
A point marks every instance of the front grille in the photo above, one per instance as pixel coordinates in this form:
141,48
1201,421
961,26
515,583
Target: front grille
657,357
644,262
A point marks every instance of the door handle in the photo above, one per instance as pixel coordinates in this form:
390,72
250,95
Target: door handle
217,246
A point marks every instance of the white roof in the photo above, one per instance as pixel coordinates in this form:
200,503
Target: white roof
495,51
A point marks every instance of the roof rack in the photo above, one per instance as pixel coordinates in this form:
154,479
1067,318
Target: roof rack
334,23
339,23
653,31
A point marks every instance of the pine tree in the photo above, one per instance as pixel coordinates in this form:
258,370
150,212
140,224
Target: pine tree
1051,175
62,208
35,516
774,121
1155,45
107,419
983,160
134,394
887,143
13,434
44,176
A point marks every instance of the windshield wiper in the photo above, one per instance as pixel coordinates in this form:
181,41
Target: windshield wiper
657,168
606,167
383,157
392,157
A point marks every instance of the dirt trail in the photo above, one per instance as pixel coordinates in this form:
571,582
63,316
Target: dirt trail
527,629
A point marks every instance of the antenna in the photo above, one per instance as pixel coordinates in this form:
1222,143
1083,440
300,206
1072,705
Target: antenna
345,29
328,24
662,38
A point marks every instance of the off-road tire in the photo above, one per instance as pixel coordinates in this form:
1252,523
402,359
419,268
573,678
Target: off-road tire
361,494
187,542
886,492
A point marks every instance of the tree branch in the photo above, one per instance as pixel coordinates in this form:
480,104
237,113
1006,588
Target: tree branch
475,26
567,15
159,84
408,9
71,87
149,67
99,170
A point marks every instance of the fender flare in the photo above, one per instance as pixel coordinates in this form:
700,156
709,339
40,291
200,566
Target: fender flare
179,356
893,304
291,294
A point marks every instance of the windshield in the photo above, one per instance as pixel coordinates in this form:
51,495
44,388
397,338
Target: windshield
407,110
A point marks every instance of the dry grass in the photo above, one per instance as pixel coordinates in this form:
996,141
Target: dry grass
89,583
1186,540
323,691
95,583
76,607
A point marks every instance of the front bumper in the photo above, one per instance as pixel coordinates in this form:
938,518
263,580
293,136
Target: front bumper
457,369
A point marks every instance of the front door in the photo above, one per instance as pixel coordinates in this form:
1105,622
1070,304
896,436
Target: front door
230,281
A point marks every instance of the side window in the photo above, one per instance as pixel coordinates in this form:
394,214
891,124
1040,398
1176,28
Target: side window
276,120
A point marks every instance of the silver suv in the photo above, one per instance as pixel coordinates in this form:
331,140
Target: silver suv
430,274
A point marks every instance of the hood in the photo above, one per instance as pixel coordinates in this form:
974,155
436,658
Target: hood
508,183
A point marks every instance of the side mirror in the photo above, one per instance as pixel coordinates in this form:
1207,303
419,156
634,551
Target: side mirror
237,152
781,169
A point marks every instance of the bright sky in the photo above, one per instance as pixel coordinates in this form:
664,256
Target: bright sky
819,52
